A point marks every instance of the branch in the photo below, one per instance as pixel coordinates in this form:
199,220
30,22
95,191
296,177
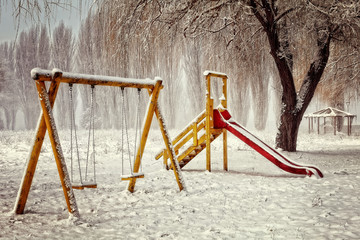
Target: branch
317,8
257,14
220,29
283,14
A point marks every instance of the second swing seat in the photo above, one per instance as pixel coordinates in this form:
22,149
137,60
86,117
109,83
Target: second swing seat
133,175
83,185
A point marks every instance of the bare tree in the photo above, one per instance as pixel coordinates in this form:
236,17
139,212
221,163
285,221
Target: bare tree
25,60
62,52
282,22
8,86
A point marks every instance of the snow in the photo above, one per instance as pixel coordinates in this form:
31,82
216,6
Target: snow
207,72
330,112
35,72
255,200
77,76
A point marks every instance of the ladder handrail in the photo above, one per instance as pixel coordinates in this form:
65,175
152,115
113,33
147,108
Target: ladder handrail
187,131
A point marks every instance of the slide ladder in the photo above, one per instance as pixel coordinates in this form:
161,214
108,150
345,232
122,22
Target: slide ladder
190,142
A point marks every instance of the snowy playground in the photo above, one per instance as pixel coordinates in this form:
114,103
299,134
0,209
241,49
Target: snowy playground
254,200
264,194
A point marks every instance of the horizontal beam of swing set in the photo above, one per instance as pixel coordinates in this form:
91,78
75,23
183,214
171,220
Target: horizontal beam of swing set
47,123
76,78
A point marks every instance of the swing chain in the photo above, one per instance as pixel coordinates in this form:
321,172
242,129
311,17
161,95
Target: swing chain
124,126
138,126
73,134
91,130
73,127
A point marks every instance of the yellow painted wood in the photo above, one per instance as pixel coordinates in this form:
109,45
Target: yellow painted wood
224,90
209,113
224,104
82,186
189,128
133,176
170,149
34,155
57,150
187,138
145,132
225,158
195,134
183,142
192,130
192,151
185,132
166,157
47,123
186,153
219,75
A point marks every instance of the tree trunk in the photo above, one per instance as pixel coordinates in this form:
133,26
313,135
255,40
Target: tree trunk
294,104
288,131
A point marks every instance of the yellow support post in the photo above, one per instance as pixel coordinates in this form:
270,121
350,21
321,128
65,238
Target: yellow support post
170,150
47,123
34,155
224,104
145,131
58,153
209,117
209,114
225,162
165,158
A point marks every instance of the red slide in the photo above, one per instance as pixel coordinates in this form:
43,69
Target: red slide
223,119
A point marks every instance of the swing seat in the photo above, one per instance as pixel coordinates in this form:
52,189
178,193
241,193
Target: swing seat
83,185
131,176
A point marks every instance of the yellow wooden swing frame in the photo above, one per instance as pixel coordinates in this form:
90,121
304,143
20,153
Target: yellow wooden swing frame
47,123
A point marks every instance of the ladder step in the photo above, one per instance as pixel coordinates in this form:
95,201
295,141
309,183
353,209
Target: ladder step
193,153
83,185
200,147
131,176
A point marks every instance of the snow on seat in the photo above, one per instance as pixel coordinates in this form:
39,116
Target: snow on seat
83,185
131,176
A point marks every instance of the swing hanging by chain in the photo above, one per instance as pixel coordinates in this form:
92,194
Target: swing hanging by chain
124,126
83,181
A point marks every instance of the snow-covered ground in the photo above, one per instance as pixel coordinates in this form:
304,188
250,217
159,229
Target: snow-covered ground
255,200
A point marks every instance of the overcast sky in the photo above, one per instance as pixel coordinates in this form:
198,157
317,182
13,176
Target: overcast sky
8,24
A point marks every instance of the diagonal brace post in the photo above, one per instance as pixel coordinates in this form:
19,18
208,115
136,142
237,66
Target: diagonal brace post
32,160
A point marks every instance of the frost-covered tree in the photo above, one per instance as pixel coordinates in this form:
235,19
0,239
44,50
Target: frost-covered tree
282,22
8,87
25,60
62,52
31,50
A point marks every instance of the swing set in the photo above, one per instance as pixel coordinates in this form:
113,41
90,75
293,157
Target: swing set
47,123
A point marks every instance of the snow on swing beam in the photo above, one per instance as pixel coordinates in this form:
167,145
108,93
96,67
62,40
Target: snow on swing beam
77,78
47,123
